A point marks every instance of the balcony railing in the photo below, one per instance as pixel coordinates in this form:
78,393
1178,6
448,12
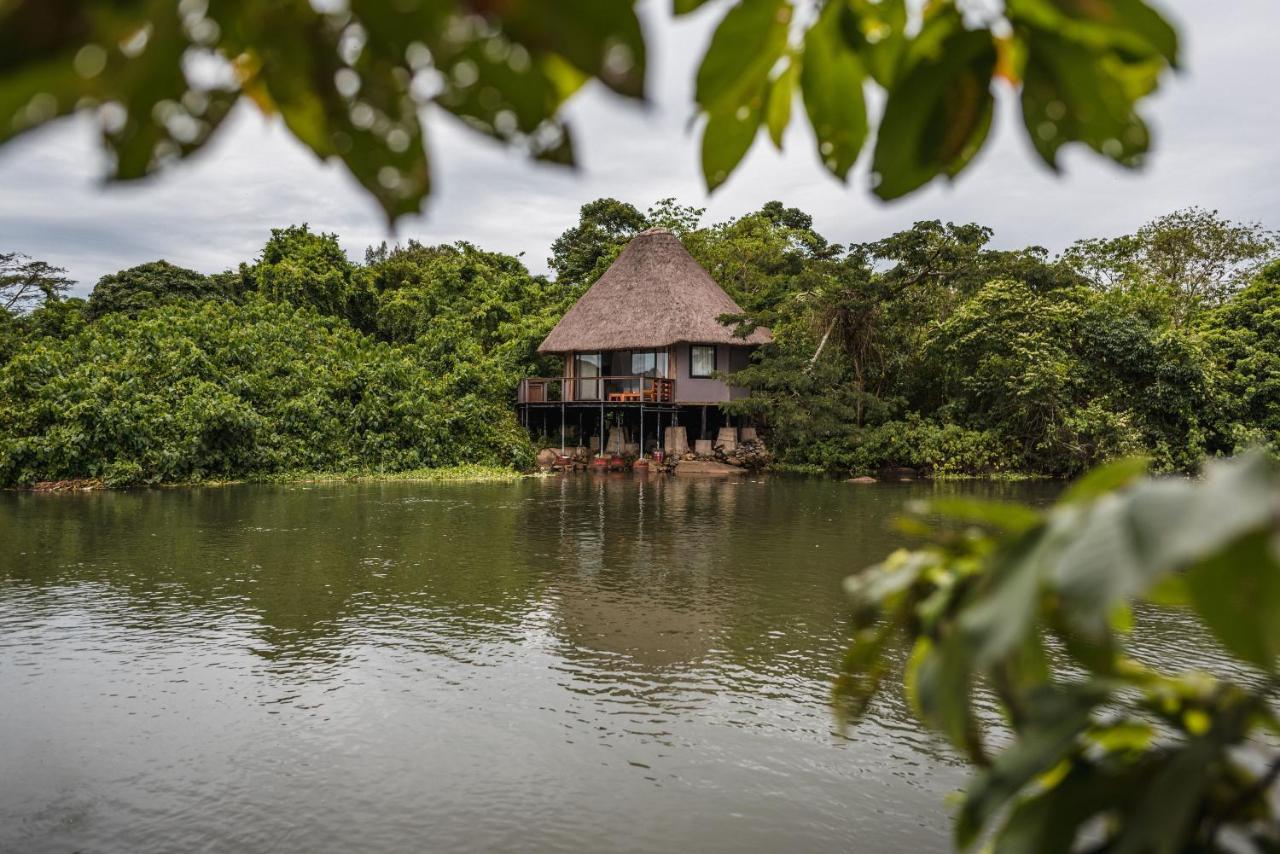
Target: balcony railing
630,389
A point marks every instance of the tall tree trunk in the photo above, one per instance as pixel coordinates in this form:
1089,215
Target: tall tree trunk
823,343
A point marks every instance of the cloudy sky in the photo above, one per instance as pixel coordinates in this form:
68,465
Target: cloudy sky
1217,145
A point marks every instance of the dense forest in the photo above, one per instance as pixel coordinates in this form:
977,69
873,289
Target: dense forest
928,348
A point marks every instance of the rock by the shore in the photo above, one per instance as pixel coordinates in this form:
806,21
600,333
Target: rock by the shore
77,485
708,468
863,479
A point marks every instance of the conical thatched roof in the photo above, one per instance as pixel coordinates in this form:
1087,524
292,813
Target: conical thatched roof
653,295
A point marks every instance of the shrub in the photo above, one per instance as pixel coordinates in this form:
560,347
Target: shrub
218,390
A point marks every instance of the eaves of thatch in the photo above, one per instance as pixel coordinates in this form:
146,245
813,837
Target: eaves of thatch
654,295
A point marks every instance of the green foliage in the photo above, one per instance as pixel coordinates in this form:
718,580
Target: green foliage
916,443
1070,378
1033,608
1041,365
350,80
450,298
1082,68
217,390
1245,333
148,285
311,270
926,349
585,251
1191,259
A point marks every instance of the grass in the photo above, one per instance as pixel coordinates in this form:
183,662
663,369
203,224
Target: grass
466,473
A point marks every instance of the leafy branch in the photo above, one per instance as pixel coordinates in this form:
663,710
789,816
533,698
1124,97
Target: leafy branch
1103,747
353,80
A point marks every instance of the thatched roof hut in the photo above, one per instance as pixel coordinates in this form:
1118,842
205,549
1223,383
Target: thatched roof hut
654,295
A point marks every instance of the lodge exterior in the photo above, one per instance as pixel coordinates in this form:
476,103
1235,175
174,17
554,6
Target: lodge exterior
643,348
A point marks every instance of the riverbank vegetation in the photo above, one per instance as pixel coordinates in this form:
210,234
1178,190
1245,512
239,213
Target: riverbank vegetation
928,349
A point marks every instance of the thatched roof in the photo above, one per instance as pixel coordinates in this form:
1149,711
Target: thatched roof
653,295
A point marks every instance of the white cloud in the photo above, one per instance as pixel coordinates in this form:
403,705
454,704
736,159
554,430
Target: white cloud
1217,125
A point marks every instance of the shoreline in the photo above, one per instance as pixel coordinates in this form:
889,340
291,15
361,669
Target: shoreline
466,473
446,474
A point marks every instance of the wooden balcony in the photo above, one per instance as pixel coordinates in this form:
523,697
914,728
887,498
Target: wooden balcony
597,390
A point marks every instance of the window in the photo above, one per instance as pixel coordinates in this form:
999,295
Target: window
586,368
702,360
649,363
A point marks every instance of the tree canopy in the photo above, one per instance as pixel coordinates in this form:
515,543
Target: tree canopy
351,80
928,349
148,285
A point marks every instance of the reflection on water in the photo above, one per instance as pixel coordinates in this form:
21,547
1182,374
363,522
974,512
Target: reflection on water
583,663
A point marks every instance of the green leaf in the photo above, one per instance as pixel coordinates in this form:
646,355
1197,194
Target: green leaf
939,682
999,616
743,50
782,91
1166,806
938,113
1105,478
1123,543
1002,515
1129,26
725,141
602,38
877,31
862,671
684,7
1057,716
832,81
1237,593
1072,93
1049,822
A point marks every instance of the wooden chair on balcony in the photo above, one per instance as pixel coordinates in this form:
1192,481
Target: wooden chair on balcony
659,392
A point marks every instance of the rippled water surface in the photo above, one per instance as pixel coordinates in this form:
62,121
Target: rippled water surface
585,664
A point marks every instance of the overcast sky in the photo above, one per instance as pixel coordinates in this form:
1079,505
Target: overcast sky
1217,129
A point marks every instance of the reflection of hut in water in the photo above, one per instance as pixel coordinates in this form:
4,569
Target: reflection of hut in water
637,572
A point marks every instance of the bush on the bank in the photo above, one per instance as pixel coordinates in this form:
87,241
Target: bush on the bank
216,390
915,443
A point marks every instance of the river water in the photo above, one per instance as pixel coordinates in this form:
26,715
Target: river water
587,663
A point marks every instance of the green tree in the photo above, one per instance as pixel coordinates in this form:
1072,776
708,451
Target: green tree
583,252
195,390
762,259
681,220
1244,333
26,283
464,294
1193,258
302,268
351,80
148,285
